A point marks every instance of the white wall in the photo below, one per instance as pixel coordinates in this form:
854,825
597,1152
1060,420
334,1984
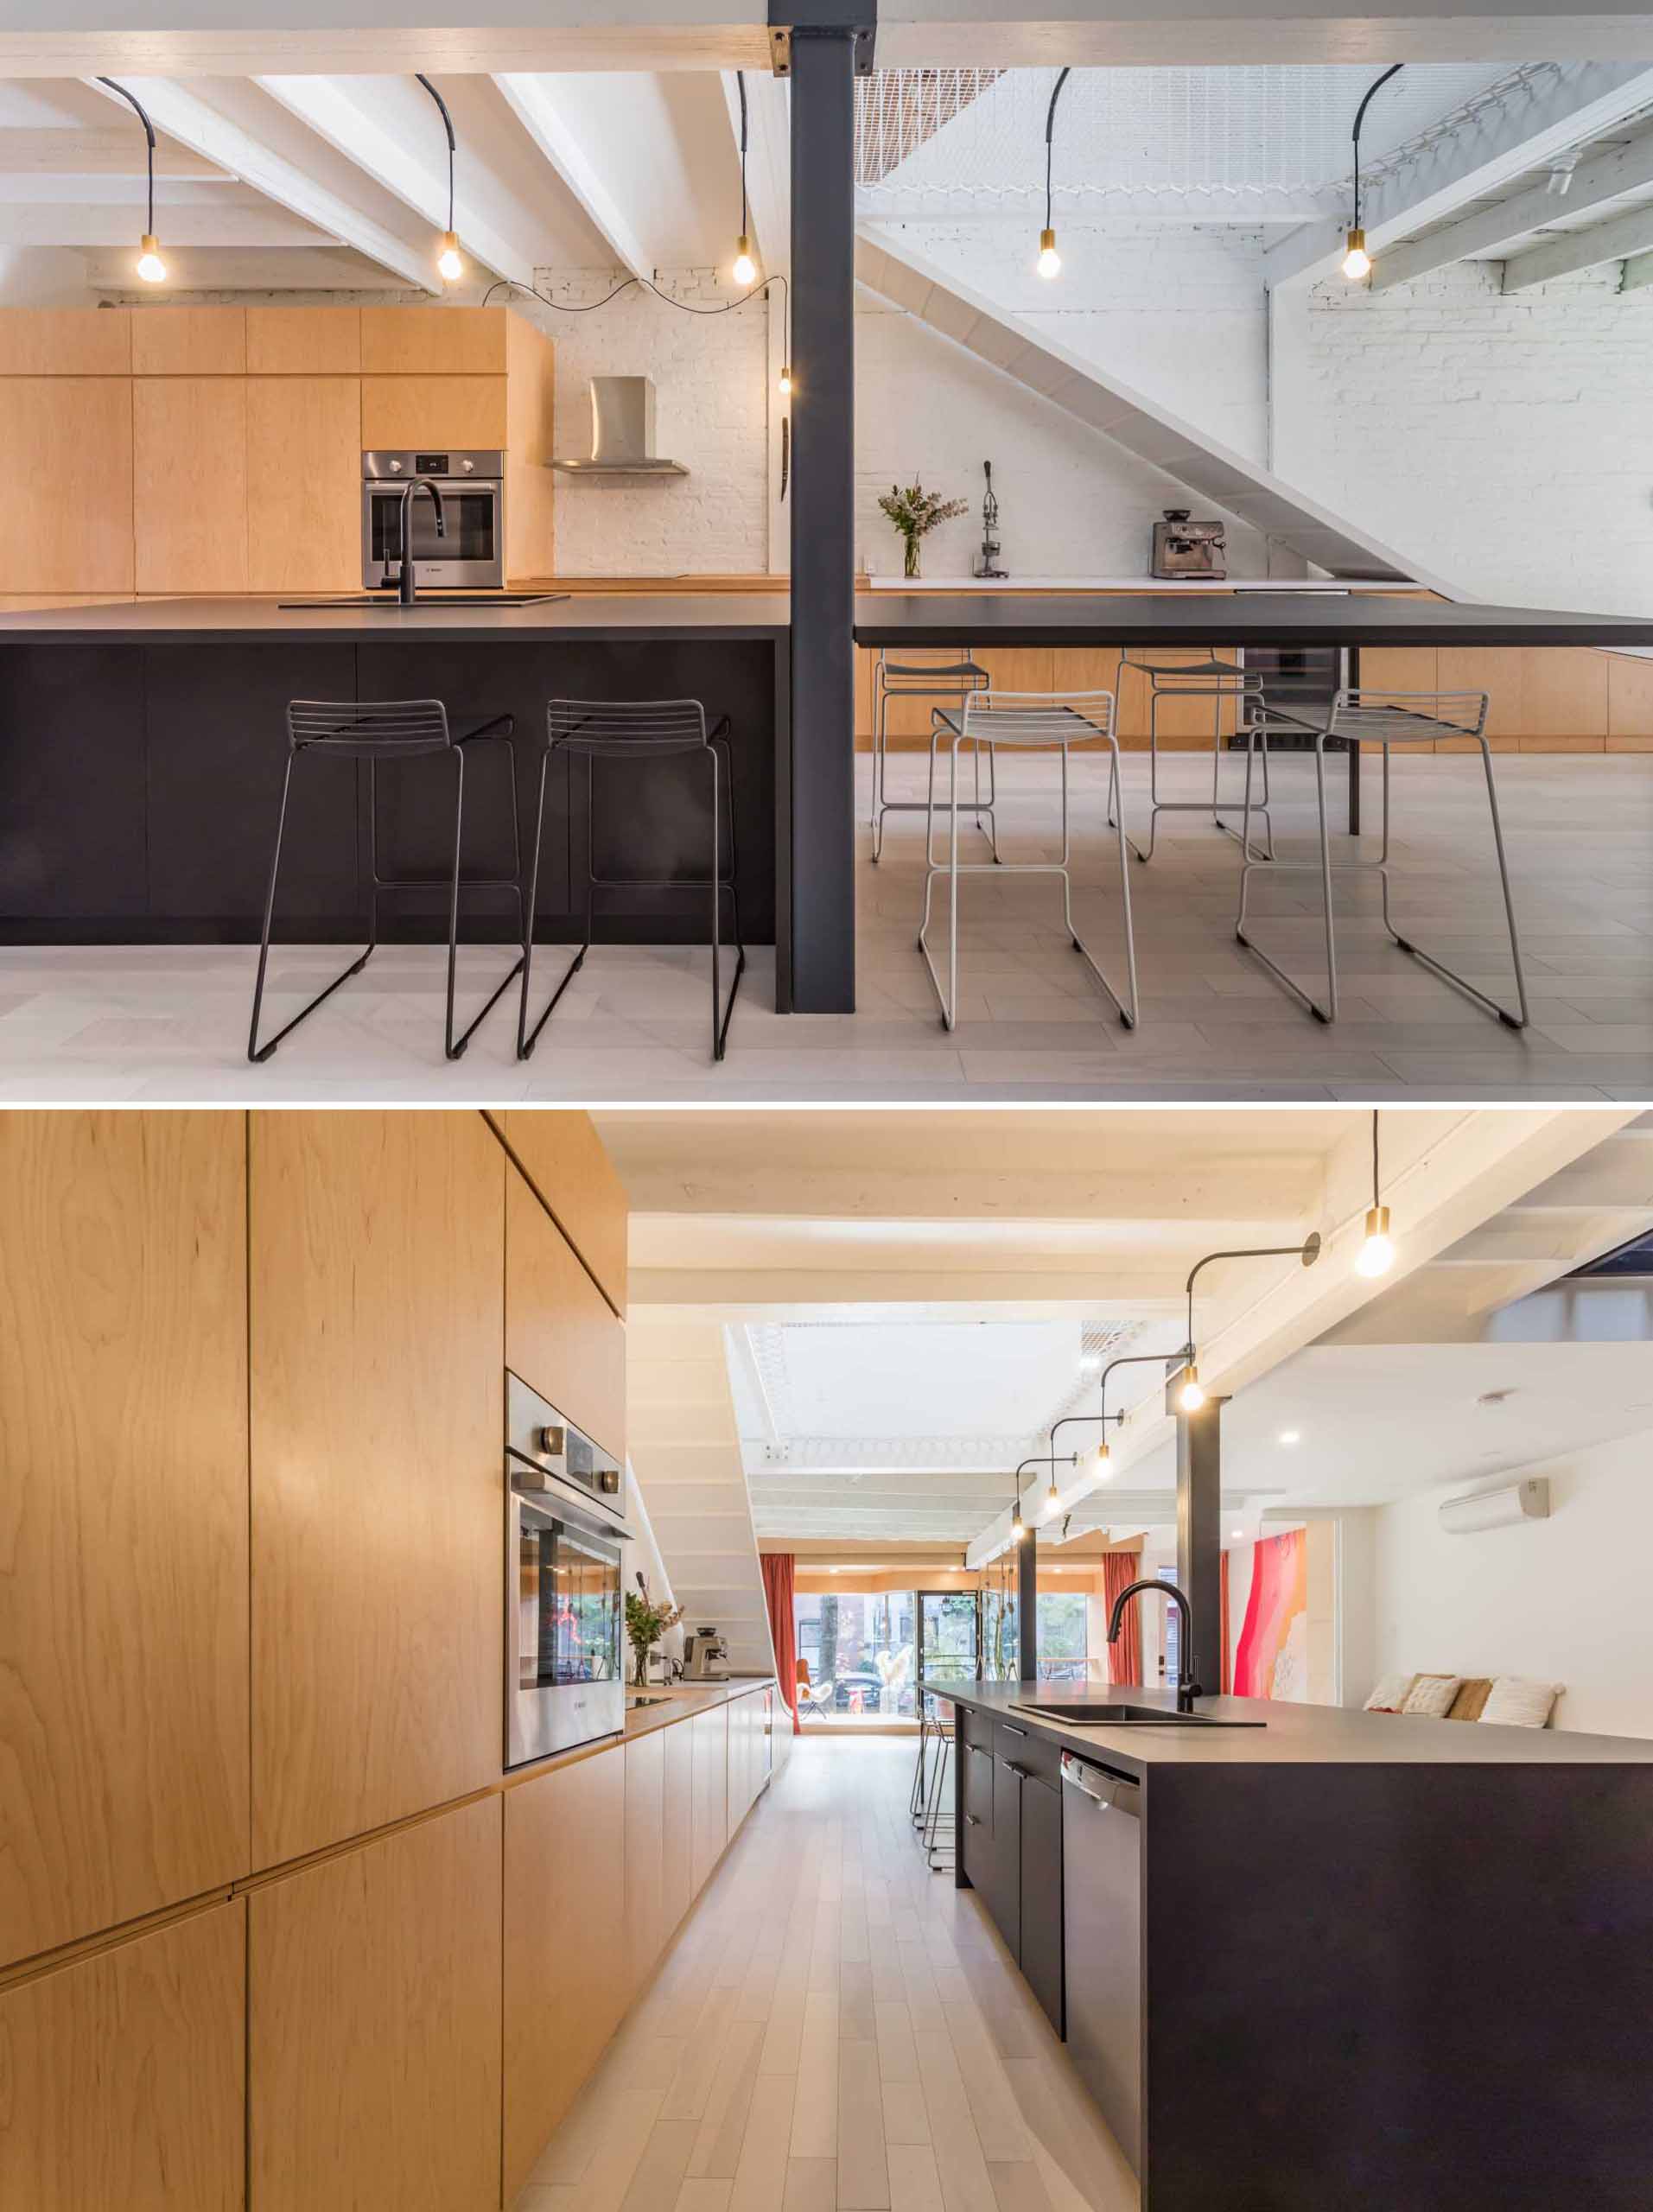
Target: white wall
1505,441
1562,1600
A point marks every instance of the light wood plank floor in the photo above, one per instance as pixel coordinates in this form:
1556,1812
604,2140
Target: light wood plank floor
836,2030
169,1023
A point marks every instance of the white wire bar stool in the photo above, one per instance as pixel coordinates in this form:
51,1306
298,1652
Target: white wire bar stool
1385,719
948,673
1029,721
1224,684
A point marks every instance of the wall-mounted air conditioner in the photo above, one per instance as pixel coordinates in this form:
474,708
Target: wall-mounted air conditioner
1497,1509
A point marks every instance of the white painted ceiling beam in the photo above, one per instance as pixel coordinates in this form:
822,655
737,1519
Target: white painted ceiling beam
336,112
547,108
1569,252
1497,144
316,267
30,222
1638,272
1629,170
184,116
26,153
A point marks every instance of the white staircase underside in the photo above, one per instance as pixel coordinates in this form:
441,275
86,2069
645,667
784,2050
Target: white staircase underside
685,1454
1286,517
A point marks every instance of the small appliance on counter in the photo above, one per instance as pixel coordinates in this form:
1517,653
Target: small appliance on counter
565,1525
986,559
1183,549
472,548
706,1657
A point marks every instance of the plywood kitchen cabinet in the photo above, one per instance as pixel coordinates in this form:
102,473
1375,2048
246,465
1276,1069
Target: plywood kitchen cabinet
435,341
189,442
174,342
645,1836
373,2023
708,1831
563,1158
561,1336
303,341
530,412
304,456
377,1257
567,1979
65,450
427,411
66,342
122,1530
677,1869
122,2074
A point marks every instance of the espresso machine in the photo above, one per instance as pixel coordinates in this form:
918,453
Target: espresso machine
1183,549
706,1657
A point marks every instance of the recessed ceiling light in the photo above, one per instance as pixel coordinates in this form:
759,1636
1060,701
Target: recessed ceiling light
1290,1435
1236,1534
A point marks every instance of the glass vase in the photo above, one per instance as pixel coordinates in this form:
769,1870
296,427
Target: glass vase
914,566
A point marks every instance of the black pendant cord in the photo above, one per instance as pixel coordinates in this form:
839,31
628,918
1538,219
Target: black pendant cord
1377,1201
149,135
447,125
1360,116
741,85
1050,125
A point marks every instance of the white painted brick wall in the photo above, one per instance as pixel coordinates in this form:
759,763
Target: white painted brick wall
1505,442
711,403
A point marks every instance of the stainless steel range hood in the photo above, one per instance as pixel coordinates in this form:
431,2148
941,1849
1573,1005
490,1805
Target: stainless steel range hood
622,432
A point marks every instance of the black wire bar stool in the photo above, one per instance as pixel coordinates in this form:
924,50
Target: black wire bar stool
389,730
634,729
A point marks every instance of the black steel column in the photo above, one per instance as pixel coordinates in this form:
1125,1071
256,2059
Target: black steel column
1200,1534
1027,1607
822,503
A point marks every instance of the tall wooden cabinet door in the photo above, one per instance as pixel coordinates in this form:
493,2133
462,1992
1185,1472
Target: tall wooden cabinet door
66,452
677,1871
425,412
646,1771
123,1518
304,454
709,1827
563,1158
124,2074
373,2015
561,1336
566,1973
189,483
378,1500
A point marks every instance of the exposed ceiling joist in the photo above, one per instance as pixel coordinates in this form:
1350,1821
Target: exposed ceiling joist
184,116
1497,146
1627,169
212,223
1570,252
25,153
547,108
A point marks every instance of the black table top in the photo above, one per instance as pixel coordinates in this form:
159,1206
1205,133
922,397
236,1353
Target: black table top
584,617
1253,617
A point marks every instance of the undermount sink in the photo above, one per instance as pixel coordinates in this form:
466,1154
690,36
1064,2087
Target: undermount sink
436,598
1130,1716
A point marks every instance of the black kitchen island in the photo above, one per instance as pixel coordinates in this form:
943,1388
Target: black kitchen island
143,745
1342,1958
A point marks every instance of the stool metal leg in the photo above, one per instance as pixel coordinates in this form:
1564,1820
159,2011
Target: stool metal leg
527,1038
721,1030
1328,1013
936,1844
455,1046
256,1051
1439,966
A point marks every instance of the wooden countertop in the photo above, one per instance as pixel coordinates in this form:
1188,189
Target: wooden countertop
682,1701
1295,1735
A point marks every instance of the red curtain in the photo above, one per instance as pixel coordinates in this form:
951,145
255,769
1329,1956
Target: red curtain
1119,1570
779,1572
1227,1678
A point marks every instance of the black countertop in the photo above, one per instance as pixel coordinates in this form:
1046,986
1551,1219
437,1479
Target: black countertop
583,618
1296,1735
1252,618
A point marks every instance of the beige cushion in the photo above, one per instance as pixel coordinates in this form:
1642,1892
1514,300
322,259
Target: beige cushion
1518,1704
1389,1696
1473,1694
1432,1695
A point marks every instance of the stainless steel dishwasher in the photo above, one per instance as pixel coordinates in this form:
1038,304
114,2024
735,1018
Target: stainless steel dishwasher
1102,1900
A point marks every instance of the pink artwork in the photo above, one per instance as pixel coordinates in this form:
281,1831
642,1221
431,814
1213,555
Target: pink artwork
1271,1660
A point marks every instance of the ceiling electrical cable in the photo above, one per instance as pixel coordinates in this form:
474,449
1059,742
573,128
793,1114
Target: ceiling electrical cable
448,262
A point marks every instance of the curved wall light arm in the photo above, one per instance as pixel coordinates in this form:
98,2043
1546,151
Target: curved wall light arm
1194,1397
1049,260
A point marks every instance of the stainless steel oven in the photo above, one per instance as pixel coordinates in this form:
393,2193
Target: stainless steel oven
471,551
565,1672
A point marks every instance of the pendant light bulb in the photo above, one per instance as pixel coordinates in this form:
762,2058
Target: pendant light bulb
1356,262
744,270
1018,1526
150,267
785,386
1190,1397
1052,1500
449,264
1050,262
1377,1255
1101,1464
